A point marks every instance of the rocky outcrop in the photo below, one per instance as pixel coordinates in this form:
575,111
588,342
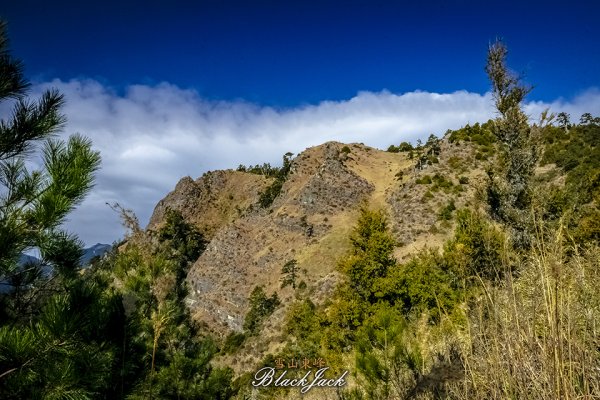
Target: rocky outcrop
212,201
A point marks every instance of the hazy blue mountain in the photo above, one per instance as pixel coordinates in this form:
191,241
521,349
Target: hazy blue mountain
96,250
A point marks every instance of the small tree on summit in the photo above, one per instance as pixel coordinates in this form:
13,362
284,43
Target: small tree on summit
564,120
586,119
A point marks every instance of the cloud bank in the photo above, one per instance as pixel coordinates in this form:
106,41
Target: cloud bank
151,136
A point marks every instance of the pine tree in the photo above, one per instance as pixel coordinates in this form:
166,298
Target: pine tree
56,336
33,204
290,273
509,190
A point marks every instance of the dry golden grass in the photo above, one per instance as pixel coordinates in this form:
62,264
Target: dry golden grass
538,335
379,168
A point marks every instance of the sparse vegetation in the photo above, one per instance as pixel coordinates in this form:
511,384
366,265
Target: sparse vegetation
446,211
403,147
479,134
424,180
440,182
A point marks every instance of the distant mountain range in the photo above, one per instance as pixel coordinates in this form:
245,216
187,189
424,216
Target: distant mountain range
88,254
96,250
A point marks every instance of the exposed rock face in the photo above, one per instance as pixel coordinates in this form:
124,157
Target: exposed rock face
213,200
252,250
329,186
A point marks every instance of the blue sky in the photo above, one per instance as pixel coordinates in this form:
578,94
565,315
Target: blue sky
288,53
167,89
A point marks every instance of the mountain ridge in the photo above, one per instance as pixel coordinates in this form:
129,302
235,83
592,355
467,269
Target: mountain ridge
310,221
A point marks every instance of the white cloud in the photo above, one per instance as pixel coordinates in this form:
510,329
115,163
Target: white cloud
588,101
151,136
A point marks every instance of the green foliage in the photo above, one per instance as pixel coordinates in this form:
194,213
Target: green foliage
421,284
346,314
586,118
427,196
267,197
406,322
403,147
191,378
166,356
387,360
424,180
346,150
481,135
440,182
477,247
265,169
369,260
507,90
445,213
270,194
302,321
433,146
371,256
72,347
181,243
587,229
261,307
455,162
290,271
60,333
35,203
576,152
184,241
233,342
564,120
